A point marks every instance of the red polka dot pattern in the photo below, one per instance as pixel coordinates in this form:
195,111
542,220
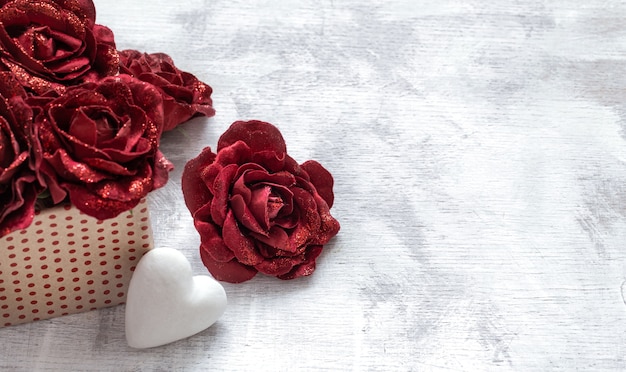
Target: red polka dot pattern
66,262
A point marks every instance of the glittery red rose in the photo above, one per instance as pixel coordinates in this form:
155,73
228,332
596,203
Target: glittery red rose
19,185
255,208
50,44
100,145
184,96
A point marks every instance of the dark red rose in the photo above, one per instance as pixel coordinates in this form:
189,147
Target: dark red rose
255,208
50,44
100,145
184,96
19,185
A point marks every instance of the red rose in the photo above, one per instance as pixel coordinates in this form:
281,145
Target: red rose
49,44
184,96
100,145
255,208
18,182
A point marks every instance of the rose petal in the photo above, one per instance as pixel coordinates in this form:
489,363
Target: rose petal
309,222
128,188
95,206
212,241
244,216
242,246
221,191
73,170
307,267
277,266
258,135
23,208
195,192
321,179
162,168
239,153
329,226
276,238
231,271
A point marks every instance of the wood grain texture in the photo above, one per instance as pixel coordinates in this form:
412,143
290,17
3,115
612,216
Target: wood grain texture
479,154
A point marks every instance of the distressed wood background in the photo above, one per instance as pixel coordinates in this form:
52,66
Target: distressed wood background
479,154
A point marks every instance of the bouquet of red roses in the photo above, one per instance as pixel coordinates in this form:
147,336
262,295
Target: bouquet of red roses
80,120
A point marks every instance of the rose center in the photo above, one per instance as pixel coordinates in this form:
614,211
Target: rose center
274,204
106,126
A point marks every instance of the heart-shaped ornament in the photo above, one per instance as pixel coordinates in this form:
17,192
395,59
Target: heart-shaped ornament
166,303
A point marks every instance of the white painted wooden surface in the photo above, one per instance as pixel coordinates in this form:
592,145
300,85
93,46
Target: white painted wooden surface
479,153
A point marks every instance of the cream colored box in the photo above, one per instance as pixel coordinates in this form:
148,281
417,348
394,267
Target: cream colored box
66,262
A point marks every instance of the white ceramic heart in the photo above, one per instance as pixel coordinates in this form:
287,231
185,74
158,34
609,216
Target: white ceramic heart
166,302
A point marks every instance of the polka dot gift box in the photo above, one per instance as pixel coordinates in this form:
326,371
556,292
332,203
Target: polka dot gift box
66,262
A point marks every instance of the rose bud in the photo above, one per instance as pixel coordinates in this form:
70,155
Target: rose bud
100,145
255,208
